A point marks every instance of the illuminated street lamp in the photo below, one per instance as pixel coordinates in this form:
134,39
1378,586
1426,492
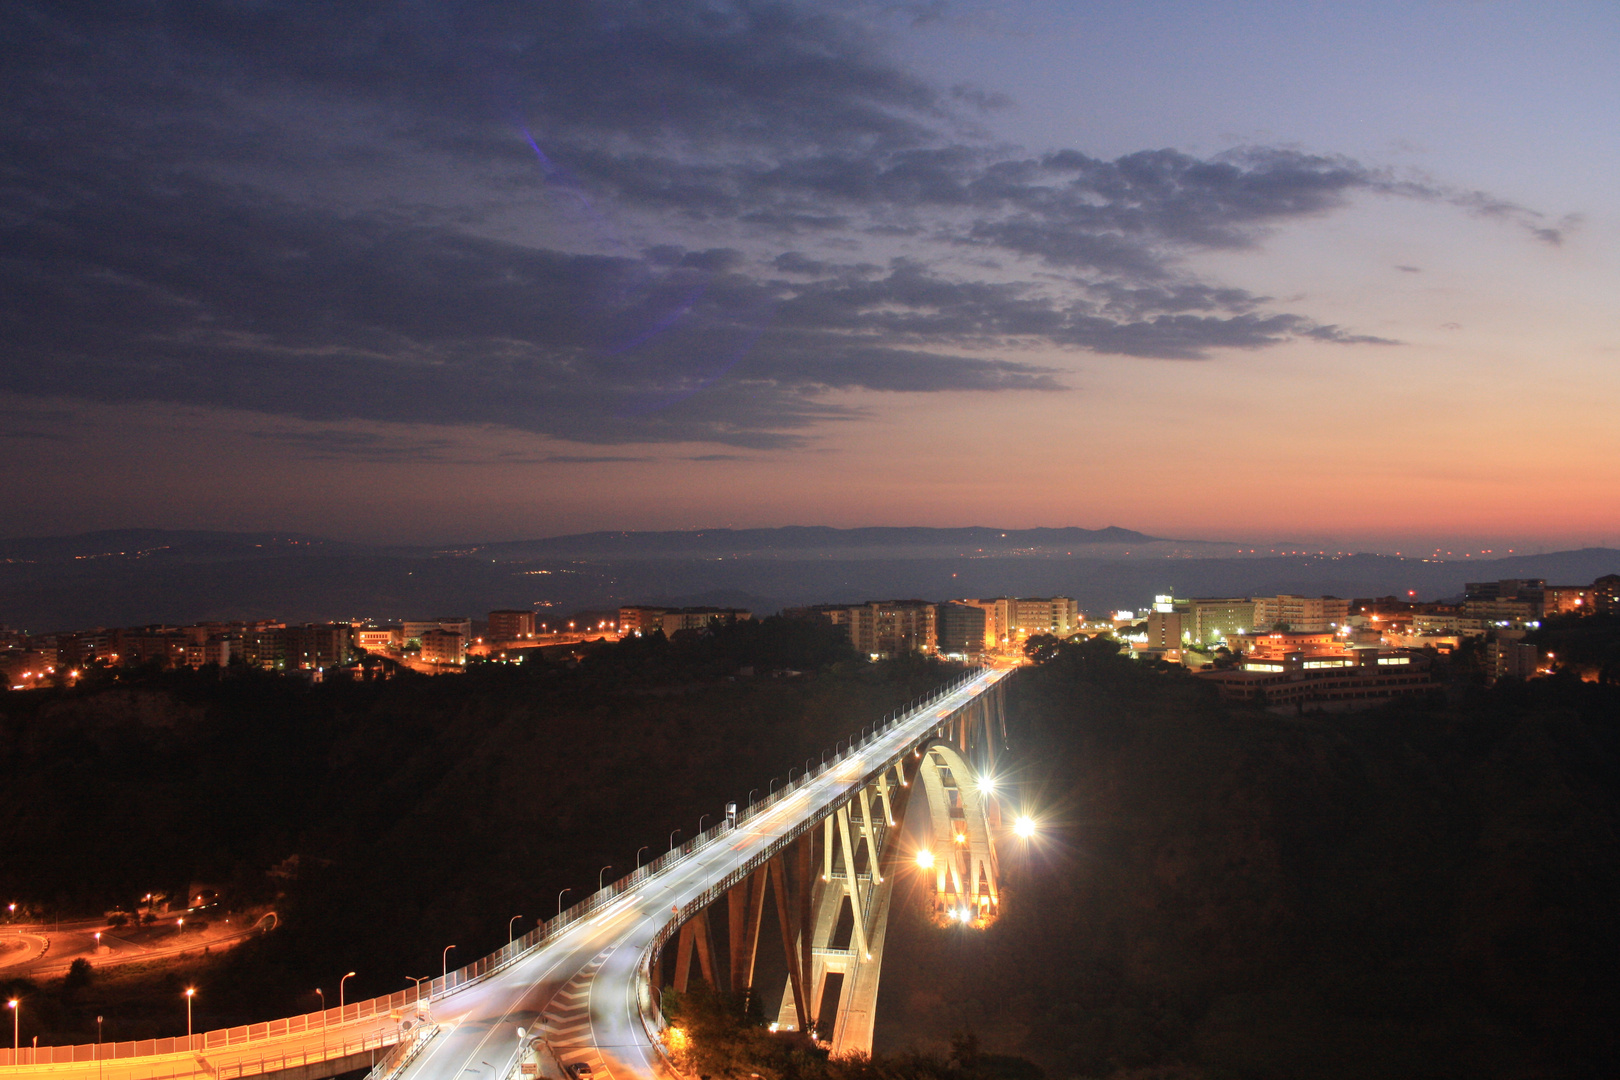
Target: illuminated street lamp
322,993
341,981
509,923
639,850
925,858
1024,826
444,960
599,874
16,1010
560,896
191,992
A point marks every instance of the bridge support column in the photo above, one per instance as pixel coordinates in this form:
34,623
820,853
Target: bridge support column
695,931
745,904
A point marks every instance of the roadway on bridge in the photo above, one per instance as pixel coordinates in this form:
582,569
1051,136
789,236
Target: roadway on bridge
595,964
580,987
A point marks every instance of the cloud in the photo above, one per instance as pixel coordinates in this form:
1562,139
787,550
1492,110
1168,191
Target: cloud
602,221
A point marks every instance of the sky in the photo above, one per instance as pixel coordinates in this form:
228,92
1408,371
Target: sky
429,272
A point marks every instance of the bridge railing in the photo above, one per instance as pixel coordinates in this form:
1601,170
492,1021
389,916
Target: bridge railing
392,1006
182,1060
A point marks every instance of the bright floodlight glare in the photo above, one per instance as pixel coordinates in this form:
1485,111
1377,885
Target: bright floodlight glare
1024,826
987,785
925,858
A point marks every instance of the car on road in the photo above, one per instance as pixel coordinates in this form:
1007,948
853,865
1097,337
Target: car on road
580,1070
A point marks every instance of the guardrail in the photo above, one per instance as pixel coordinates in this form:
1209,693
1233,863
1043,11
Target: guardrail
403,1053
486,966
189,1064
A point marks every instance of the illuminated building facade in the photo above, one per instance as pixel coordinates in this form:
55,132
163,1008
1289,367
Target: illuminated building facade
1350,678
511,625
961,629
1057,615
1300,612
413,629
443,647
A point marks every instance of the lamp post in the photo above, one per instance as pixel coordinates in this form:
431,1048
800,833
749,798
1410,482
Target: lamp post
322,993
672,837
99,1066
509,923
701,820
191,992
560,896
751,795
771,790
599,874
14,1005
444,961
341,981
639,850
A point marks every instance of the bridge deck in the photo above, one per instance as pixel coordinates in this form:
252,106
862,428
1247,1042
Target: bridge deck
584,980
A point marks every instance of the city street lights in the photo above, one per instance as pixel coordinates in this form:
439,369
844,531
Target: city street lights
599,874
191,992
99,1066
751,795
672,837
560,896
322,993
701,820
14,1005
444,961
341,981
639,850
509,923
770,790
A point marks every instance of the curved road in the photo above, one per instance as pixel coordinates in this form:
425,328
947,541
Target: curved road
578,989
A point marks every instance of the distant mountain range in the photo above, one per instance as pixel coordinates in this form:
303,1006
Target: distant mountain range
139,576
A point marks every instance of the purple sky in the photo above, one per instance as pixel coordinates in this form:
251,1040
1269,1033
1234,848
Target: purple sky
440,271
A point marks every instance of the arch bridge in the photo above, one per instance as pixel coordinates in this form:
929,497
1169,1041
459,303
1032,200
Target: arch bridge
583,988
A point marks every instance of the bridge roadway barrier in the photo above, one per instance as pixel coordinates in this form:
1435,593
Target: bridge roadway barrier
376,1023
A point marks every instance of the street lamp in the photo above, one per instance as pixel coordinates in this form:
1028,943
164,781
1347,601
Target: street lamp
770,790
444,960
318,990
341,981
639,850
672,837
701,820
509,923
191,992
751,795
560,896
99,1066
15,1013
599,874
